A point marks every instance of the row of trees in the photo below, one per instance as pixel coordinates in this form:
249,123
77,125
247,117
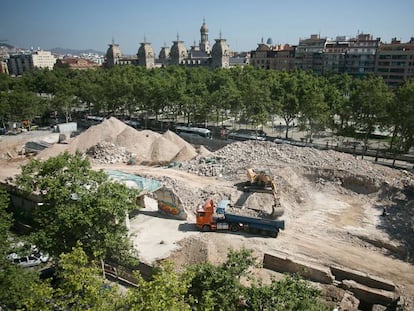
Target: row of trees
80,222
339,102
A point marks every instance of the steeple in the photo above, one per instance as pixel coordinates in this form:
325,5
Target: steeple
204,44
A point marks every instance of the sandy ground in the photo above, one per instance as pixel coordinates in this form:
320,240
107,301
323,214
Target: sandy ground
324,224
325,229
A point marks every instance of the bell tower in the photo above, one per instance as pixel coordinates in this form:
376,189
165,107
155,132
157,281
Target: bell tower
204,44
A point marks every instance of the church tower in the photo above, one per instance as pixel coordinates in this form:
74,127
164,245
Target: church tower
204,44
178,52
113,54
220,54
146,57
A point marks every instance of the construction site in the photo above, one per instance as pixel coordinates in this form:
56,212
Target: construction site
343,223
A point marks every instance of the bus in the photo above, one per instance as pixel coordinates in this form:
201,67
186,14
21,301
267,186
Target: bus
193,131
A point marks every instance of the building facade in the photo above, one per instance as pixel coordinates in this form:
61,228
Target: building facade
146,57
43,59
309,53
77,63
18,63
361,55
217,56
276,57
395,61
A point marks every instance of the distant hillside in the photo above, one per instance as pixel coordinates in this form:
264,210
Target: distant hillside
63,51
5,45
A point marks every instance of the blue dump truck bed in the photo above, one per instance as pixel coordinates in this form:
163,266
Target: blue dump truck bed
254,224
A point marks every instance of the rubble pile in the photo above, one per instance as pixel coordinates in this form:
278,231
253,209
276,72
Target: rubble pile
232,160
148,147
108,153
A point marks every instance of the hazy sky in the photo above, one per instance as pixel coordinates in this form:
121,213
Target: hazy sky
93,23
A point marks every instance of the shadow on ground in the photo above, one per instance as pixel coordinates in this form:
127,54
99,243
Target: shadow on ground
398,221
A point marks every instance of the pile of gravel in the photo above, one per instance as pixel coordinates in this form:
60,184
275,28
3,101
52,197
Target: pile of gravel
108,153
231,161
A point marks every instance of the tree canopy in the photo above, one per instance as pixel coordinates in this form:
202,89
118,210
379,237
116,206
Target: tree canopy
78,205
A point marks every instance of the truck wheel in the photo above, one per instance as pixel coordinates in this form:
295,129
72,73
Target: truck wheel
205,228
273,234
234,227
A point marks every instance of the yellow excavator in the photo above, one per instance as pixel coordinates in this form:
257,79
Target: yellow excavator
261,180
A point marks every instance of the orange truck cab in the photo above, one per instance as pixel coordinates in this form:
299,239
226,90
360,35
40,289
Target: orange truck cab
205,221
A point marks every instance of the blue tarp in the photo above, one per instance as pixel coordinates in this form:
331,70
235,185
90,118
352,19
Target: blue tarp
141,183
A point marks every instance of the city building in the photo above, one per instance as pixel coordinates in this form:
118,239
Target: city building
361,55
3,66
114,57
78,63
20,62
309,53
217,56
334,55
146,57
220,54
276,57
395,61
43,59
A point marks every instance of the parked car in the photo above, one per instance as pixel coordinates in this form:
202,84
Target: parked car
32,260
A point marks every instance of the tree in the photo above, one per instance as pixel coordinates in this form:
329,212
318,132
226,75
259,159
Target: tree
290,294
401,118
81,285
287,95
19,288
166,291
314,112
218,287
369,101
79,204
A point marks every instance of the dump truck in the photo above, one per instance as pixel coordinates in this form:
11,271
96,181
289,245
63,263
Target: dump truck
212,218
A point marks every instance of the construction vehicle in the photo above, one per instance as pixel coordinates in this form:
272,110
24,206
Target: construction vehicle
261,180
212,218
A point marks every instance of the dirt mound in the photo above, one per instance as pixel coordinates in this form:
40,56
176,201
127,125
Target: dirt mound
144,146
163,150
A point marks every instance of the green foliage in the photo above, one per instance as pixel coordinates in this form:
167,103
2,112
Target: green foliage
19,288
290,294
219,287
401,117
81,285
79,205
199,94
166,291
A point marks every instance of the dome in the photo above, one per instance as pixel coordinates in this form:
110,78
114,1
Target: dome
204,28
269,41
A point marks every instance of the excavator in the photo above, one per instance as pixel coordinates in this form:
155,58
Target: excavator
261,180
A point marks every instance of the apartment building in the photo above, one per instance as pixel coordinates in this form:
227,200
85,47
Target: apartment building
43,59
335,54
361,55
276,57
395,61
309,53
20,62
76,63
